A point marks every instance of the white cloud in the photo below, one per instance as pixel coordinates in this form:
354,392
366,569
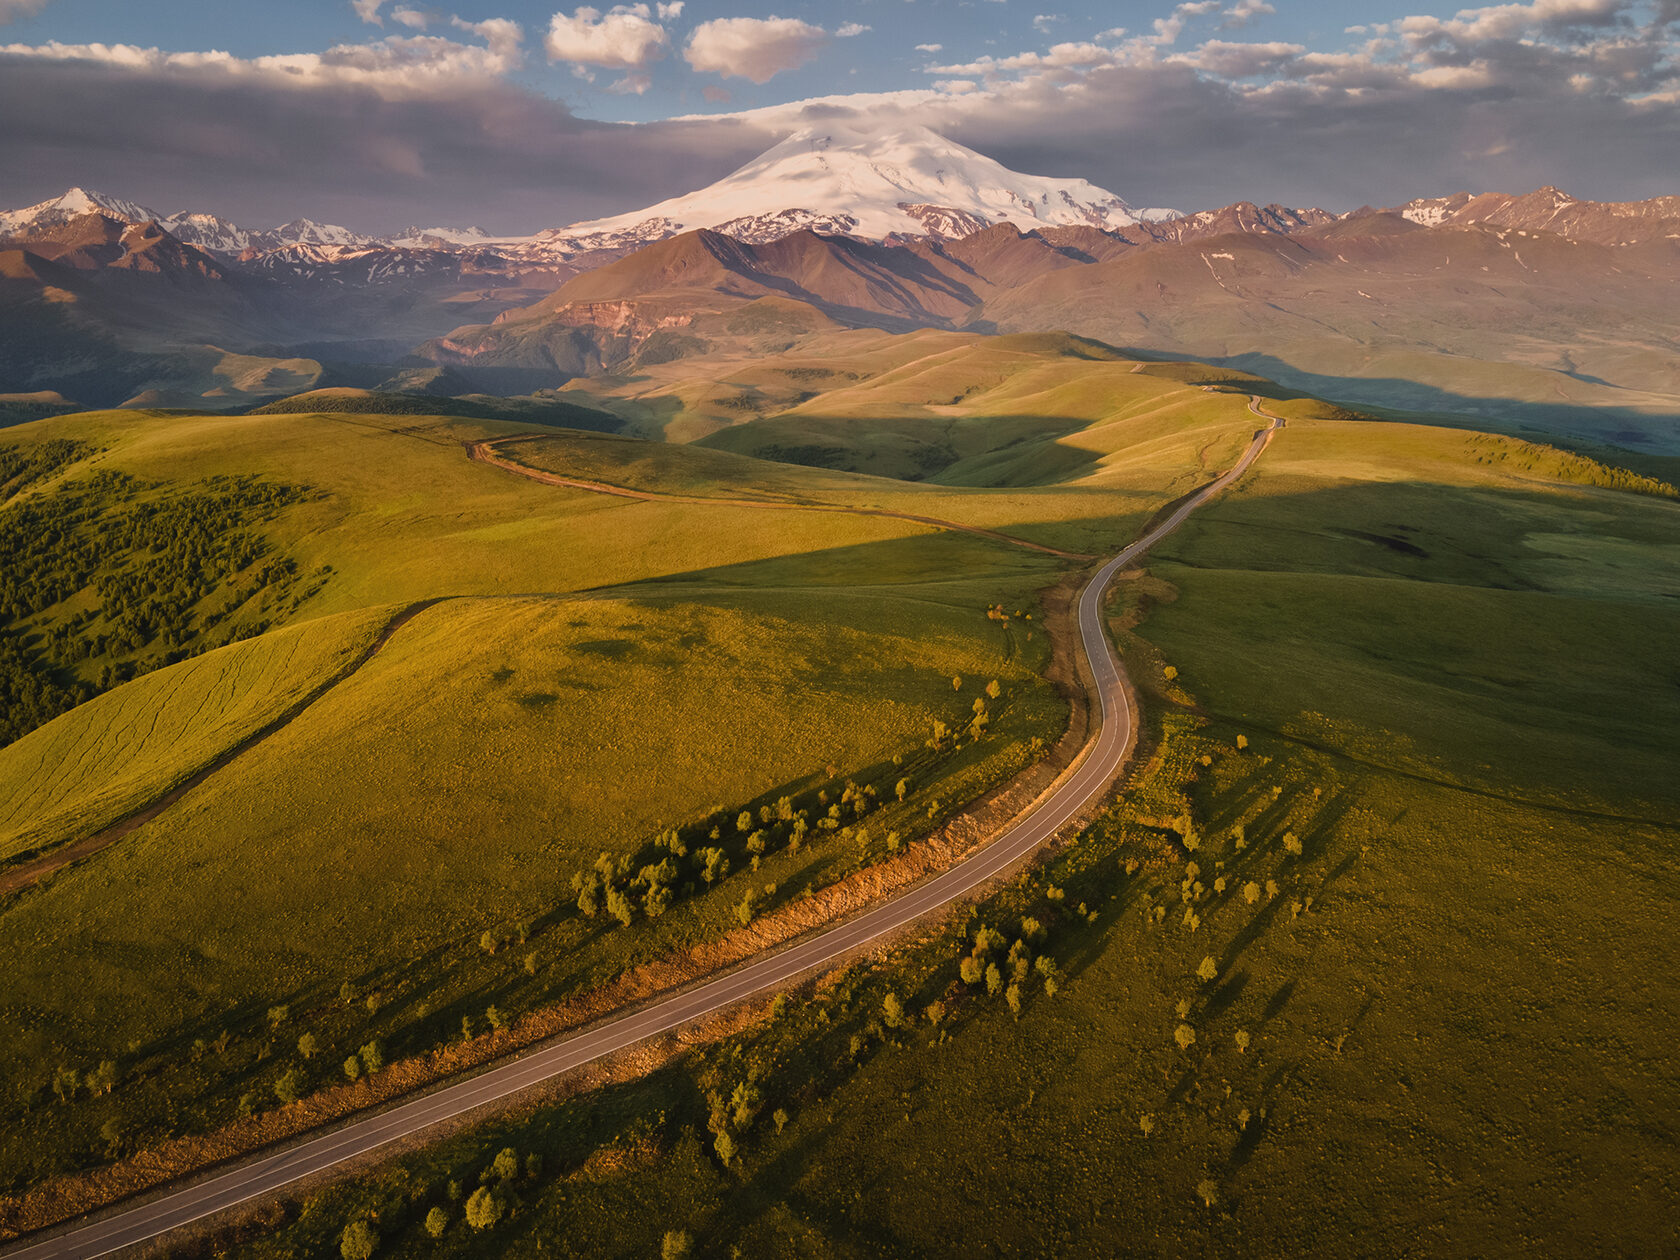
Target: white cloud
414,19
395,66
1508,21
757,49
624,39
12,10
851,29
671,11
1044,21
368,11
930,48
1231,60
501,36
1245,11
1060,57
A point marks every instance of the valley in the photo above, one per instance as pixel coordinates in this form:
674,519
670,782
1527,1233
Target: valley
880,706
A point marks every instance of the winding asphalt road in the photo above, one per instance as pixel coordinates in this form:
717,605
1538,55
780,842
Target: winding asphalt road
1090,777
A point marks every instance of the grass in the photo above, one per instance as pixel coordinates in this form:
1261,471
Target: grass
124,749
1457,1000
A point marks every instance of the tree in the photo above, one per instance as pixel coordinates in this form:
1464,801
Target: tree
488,942
1012,995
308,1046
494,1017
437,1220
994,979
1169,672
353,1068
676,1245
993,689
505,1167
618,905
1146,1122
484,1208
289,1087
103,1079
1251,892
358,1241
744,821
892,1011
956,682
1207,1191
1185,1036
1292,843
588,887
745,911
1208,972
972,971
65,1083
780,1118
1242,742
278,1015
373,1057
902,789
725,1146
1242,1041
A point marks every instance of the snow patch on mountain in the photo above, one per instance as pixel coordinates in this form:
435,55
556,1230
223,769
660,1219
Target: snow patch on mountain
72,205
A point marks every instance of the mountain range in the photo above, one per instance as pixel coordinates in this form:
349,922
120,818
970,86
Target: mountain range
1554,310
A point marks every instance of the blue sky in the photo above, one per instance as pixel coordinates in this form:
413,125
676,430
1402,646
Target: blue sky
525,115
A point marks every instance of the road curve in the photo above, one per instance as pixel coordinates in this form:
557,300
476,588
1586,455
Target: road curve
1088,779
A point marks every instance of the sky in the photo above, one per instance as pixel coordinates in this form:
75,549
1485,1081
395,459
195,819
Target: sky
517,115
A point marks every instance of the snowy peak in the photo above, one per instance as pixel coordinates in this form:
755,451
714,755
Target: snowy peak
72,205
908,182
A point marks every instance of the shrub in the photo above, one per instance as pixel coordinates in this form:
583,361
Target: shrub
353,1068
747,909
484,1208
437,1220
618,905
1242,742
494,1017
358,1241
373,1057
676,1245
289,1087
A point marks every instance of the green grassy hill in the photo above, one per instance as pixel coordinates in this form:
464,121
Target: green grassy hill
1366,961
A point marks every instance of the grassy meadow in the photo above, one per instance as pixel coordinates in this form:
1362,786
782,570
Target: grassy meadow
588,676
1367,959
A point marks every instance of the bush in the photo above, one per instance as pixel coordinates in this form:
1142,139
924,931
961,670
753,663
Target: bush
505,1167
676,1245
484,1208
353,1068
358,1241
289,1087
437,1220
746,910
494,1017
373,1057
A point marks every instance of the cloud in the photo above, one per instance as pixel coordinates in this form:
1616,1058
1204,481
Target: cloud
930,48
753,48
849,29
624,39
369,140
1243,12
1044,21
414,19
368,11
670,12
12,10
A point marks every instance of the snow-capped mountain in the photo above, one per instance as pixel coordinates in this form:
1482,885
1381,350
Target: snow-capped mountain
72,205
878,185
